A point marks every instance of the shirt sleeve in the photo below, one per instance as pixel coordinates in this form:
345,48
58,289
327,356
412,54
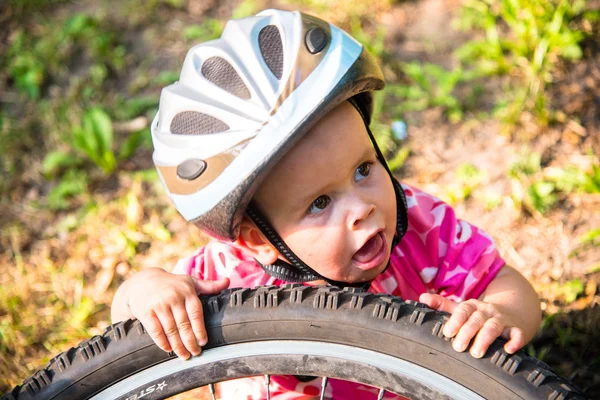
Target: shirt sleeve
450,256
220,259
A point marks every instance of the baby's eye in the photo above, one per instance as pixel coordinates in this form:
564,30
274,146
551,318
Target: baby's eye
319,204
362,172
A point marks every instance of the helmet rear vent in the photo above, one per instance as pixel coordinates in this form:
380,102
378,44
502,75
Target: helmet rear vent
196,123
221,73
271,49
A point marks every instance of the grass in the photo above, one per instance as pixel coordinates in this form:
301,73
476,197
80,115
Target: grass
537,189
35,60
525,39
467,179
67,278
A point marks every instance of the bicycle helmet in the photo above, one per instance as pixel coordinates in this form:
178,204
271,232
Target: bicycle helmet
241,102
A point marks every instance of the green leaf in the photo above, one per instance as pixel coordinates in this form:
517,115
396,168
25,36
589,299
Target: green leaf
109,162
68,223
77,24
572,289
162,234
590,236
56,160
85,142
592,15
455,115
593,183
540,195
527,165
28,73
469,174
97,74
130,145
571,51
491,199
130,108
244,9
398,161
80,312
97,122
95,139
177,4
209,30
416,72
593,269
166,78
147,175
72,184
567,179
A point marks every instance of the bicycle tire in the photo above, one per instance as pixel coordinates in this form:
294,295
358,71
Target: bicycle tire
344,321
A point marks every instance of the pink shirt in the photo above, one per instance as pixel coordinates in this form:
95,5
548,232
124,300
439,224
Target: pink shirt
438,254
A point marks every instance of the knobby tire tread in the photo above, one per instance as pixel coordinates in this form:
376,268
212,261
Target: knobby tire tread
125,348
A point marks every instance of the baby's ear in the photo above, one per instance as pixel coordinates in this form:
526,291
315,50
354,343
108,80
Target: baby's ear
252,239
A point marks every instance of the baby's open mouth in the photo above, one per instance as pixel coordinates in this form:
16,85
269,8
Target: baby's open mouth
370,250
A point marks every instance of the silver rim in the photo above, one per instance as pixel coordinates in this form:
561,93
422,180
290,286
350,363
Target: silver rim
156,377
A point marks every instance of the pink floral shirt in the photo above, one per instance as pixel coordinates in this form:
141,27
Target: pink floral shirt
438,254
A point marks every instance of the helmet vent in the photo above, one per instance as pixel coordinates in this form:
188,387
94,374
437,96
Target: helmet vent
221,73
271,48
196,123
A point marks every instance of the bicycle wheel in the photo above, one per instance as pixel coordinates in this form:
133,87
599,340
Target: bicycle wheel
374,339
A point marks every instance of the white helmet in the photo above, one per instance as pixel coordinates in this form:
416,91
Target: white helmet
243,100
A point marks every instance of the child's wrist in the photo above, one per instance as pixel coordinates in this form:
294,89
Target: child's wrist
120,307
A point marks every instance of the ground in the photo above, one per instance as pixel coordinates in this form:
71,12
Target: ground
63,266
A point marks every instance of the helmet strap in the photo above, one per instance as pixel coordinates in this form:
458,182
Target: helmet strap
295,270
401,204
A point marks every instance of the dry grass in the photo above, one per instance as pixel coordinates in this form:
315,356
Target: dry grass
59,282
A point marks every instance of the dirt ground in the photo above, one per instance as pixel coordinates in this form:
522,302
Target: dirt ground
544,249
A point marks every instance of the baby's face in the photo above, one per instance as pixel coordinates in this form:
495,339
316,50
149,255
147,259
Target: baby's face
332,201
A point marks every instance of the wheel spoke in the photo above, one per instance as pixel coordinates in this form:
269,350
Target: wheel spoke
381,394
211,389
323,387
268,385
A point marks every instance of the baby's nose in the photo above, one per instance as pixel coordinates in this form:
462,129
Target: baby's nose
360,211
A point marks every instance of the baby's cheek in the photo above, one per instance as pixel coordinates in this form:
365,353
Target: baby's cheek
321,248
323,255
386,199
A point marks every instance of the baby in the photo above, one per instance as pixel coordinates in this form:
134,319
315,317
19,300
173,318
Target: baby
265,144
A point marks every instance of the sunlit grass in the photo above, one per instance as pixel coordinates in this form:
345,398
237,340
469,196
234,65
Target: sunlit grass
58,291
525,39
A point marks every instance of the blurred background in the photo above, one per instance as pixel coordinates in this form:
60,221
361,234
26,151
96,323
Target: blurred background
491,105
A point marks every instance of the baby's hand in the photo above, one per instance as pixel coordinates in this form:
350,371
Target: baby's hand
476,319
170,310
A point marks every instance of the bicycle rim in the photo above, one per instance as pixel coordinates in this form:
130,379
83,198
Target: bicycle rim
289,358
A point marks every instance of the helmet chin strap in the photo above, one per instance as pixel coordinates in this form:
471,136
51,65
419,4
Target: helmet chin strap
401,205
295,270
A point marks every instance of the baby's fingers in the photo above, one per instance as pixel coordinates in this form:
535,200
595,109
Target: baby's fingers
459,317
172,332
152,325
195,313
185,330
469,329
516,339
491,330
